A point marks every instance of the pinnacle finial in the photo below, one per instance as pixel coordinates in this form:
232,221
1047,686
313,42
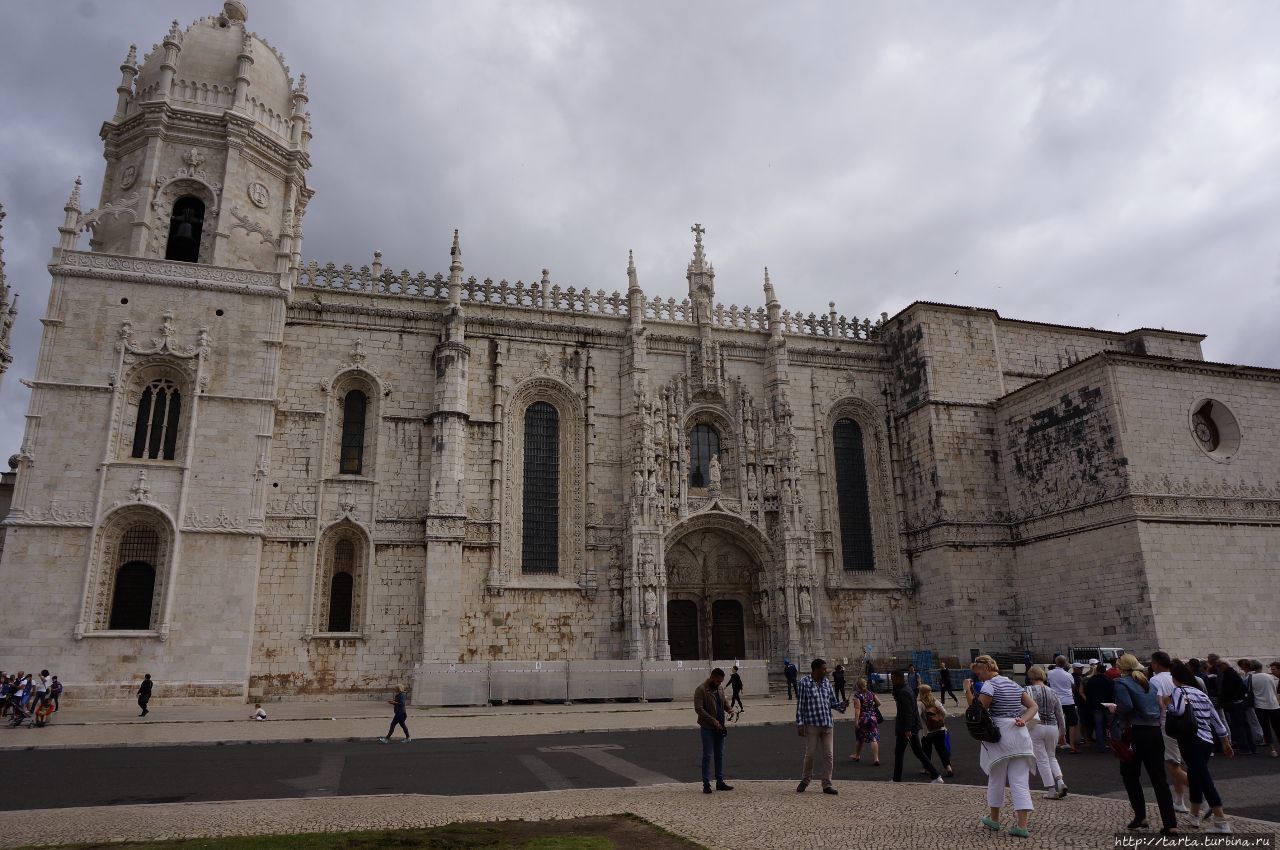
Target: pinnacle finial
768,286
631,258
455,254
174,32
302,83
132,59
73,202
3,286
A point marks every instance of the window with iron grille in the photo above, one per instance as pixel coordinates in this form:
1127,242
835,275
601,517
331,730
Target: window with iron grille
135,579
354,405
540,546
155,434
704,442
852,497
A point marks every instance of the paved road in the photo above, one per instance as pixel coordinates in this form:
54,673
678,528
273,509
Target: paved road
462,766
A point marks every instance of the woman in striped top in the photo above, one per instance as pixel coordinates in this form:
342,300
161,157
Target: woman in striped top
1049,731
1198,746
1010,759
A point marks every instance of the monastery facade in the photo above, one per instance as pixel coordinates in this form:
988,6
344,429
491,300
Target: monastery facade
251,474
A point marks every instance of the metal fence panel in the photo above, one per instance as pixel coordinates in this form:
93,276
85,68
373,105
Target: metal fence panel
529,680
450,684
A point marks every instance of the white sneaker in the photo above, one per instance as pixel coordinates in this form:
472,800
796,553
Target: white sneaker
937,781
1051,794
1219,825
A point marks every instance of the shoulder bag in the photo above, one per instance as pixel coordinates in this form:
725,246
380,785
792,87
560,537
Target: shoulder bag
979,723
1184,725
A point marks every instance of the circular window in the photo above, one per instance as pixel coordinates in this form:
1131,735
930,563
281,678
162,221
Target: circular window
1215,429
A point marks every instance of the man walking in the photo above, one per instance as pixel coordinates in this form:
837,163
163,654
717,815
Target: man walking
1162,681
907,728
708,703
789,670
815,700
144,694
1063,685
735,690
944,684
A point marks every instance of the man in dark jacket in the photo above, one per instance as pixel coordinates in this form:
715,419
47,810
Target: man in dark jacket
1098,689
735,690
907,728
789,670
1235,700
708,703
144,695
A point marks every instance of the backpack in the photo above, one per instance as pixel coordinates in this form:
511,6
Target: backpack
934,718
979,723
1184,725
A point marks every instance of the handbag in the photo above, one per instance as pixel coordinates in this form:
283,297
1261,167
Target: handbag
1184,725
879,715
1121,739
979,723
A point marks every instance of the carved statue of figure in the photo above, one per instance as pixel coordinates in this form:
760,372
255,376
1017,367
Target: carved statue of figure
713,473
652,489
770,483
749,430
806,604
638,483
673,435
753,483
764,605
646,567
650,607
766,430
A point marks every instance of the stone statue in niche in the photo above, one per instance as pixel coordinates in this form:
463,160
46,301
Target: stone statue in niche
806,605
770,483
638,487
766,430
749,431
764,605
713,474
753,483
650,607
646,567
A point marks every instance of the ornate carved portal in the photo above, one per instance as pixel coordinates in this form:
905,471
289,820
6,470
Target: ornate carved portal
714,583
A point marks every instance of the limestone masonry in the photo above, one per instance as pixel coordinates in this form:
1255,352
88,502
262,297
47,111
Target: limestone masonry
252,474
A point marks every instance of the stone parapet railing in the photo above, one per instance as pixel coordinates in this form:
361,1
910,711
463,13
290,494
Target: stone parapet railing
544,295
199,275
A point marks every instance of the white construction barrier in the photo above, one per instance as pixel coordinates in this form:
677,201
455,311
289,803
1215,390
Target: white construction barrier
754,673
673,680
601,679
442,683
528,680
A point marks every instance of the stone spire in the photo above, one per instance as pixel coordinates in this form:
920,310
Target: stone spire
774,309
455,272
701,274
635,295
71,223
8,309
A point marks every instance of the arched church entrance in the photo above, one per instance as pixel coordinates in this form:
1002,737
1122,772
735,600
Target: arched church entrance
713,596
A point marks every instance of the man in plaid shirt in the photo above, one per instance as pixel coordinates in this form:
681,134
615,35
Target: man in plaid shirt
815,699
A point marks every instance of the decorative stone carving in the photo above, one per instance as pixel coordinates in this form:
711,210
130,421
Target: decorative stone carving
259,194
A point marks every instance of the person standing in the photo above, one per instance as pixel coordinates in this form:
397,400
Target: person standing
838,682
144,694
934,735
55,691
398,716
814,702
866,721
1137,705
1063,684
1162,681
735,690
1099,690
1009,760
1047,732
708,703
1266,704
1234,700
913,681
790,672
1197,746
944,684
906,727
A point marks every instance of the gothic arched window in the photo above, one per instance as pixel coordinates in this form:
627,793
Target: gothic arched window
155,433
704,443
540,546
135,579
342,586
852,498
185,227
354,405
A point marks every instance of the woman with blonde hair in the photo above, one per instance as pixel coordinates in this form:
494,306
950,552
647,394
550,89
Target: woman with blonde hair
1010,759
1049,731
934,717
1137,713
866,721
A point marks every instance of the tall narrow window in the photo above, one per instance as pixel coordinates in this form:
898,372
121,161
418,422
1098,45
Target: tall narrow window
135,579
704,442
342,586
540,547
155,434
354,405
185,228
851,496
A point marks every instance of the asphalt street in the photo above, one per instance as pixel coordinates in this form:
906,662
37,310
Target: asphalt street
58,778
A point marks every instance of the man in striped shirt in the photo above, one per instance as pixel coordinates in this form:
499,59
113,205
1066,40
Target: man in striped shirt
815,698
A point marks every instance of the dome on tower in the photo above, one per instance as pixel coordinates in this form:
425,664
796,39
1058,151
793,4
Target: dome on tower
207,68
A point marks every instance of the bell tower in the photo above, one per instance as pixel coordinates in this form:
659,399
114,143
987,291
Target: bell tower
207,151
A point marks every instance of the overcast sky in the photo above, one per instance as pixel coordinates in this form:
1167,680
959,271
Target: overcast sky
1105,164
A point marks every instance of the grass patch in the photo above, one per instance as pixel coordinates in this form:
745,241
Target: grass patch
623,832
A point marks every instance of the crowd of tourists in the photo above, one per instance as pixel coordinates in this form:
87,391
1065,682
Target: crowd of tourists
1166,718
30,698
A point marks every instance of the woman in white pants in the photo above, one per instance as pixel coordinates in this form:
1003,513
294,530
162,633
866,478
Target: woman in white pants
1009,760
1047,733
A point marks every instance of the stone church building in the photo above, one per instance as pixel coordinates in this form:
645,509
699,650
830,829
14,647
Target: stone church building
249,473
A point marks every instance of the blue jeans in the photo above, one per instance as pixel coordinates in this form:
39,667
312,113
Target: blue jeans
712,746
1101,717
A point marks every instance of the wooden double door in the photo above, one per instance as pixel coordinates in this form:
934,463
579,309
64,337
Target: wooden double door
725,636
